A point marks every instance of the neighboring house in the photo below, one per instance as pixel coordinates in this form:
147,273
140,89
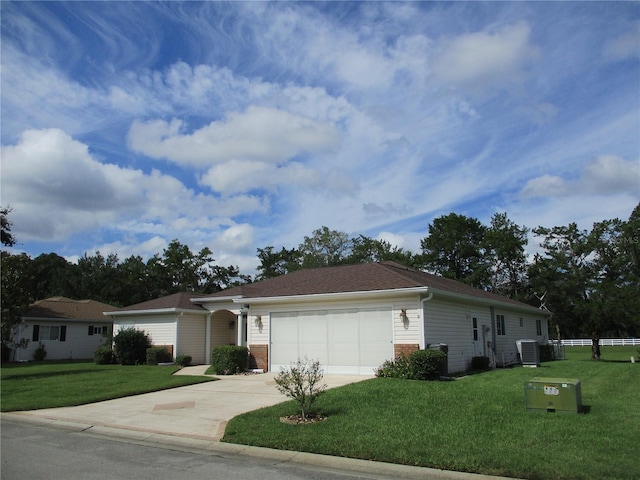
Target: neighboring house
352,318
178,324
68,329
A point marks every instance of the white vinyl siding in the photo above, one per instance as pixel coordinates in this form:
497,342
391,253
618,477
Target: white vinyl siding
506,349
191,338
451,323
77,344
160,328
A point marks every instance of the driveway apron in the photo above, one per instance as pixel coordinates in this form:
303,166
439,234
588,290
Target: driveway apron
197,411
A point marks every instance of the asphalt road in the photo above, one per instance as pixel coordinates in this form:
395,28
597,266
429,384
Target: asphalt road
37,452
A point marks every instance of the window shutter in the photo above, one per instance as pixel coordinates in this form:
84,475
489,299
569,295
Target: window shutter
90,329
36,333
63,333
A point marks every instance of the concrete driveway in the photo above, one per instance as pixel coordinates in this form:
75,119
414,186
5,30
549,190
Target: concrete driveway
197,411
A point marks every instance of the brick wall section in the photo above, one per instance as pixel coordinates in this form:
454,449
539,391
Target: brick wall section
259,357
405,348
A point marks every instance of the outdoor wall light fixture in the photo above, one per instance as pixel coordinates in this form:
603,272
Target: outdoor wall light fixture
258,320
404,317
232,324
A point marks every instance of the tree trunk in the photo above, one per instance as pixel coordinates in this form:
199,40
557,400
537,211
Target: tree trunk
595,347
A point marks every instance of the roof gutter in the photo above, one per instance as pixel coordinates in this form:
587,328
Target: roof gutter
152,311
491,302
318,296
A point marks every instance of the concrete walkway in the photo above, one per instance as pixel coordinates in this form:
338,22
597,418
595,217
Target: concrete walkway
196,411
193,418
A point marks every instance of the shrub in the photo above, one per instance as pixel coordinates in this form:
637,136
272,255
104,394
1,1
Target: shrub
40,353
398,368
131,346
480,363
183,360
104,355
301,382
427,364
229,359
156,355
547,353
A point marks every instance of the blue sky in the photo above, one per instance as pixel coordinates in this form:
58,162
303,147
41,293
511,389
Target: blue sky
242,125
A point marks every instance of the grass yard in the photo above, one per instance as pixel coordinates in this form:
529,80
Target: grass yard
475,424
46,385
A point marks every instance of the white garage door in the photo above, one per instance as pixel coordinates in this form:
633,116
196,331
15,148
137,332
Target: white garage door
345,341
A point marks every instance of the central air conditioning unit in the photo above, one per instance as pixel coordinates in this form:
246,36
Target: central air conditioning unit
529,352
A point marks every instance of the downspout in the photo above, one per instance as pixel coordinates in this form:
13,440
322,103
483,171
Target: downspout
175,350
207,339
426,299
493,332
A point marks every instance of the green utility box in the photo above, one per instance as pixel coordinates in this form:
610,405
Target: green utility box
553,394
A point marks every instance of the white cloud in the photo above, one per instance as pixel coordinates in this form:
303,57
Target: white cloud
605,175
626,46
262,134
58,188
485,58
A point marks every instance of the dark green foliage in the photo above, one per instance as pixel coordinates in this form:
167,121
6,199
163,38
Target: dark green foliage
104,355
400,367
480,363
131,346
229,359
547,353
156,355
427,364
183,360
40,353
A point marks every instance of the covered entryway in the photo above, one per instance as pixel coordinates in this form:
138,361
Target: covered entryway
353,341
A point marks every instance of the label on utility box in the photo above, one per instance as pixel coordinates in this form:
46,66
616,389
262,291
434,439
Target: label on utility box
551,390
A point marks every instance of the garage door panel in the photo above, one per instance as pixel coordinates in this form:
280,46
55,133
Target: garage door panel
345,341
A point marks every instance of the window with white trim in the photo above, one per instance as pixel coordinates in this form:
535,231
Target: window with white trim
474,324
42,333
500,325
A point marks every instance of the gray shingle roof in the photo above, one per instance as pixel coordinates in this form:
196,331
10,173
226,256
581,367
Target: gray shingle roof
365,277
178,301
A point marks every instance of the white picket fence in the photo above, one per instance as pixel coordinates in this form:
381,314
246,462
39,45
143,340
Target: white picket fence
612,342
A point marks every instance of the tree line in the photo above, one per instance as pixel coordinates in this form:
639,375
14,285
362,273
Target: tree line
588,279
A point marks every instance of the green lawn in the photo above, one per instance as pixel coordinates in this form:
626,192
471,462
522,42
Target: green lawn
475,424
45,385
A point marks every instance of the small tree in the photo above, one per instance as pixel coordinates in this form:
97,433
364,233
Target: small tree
301,382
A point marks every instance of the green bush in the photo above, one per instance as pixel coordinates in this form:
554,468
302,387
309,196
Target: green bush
547,353
131,346
40,353
156,355
183,360
229,359
480,363
427,364
398,368
104,355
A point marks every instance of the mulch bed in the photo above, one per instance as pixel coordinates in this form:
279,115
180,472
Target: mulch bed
299,420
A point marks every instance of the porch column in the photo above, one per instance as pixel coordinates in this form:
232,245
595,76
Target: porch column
207,340
240,324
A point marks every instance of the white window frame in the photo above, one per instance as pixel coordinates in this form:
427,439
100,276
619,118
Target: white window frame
500,325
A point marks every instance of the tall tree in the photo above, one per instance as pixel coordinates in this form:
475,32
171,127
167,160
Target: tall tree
590,278
324,248
365,249
273,264
15,295
6,236
98,277
504,248
53,276
454,249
